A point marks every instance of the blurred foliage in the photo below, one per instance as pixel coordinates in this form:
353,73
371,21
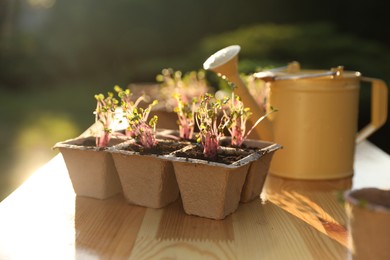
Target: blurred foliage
315,46
132,40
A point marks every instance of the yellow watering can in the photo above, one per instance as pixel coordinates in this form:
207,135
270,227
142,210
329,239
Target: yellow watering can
316,122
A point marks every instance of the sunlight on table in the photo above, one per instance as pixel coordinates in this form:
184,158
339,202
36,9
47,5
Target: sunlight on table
47,228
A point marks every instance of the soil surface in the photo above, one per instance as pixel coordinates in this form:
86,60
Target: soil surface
165,147
222,157
89,142
162,148
227,143
373,196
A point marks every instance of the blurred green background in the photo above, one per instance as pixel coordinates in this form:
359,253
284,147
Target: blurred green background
55,55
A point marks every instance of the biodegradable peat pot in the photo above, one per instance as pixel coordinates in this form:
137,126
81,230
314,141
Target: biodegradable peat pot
147,179
258,169
368,212
91,169
211,189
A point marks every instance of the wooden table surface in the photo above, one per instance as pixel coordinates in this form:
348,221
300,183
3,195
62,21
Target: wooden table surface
43,219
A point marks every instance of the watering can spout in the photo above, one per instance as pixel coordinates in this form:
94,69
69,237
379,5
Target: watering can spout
225,63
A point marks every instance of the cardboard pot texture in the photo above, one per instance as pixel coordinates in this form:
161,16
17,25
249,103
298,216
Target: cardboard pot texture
146,180
256,177
258,170
92,172
209,190
369,225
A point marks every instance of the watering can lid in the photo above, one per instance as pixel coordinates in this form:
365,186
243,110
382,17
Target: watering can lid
293,72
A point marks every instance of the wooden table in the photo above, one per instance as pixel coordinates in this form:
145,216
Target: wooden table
43,219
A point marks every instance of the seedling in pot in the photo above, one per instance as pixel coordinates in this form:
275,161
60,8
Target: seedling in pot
185,112
237,116
127,104
137,118
210,125
105,114
142,131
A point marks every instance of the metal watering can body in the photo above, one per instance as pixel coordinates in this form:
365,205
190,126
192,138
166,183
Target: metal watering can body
317,117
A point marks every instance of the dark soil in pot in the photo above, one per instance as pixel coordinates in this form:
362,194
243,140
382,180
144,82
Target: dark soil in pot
224,156
89,142
372,196
244,146
163,147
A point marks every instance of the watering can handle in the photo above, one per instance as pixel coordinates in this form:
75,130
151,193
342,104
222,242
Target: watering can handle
378,108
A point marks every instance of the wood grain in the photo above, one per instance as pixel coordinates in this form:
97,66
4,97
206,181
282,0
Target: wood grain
260,231
103,226
150,244
175,224
269,232
317,206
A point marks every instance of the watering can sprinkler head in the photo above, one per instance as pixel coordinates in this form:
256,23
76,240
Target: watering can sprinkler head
223,61
225,64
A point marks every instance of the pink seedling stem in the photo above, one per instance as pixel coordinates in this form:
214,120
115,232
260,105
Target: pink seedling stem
238,115
185,113
143,132
210,128
104,114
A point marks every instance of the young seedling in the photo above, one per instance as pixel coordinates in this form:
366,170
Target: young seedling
237,117
143,132
105,114
210,130
140,129
127,104
185,112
